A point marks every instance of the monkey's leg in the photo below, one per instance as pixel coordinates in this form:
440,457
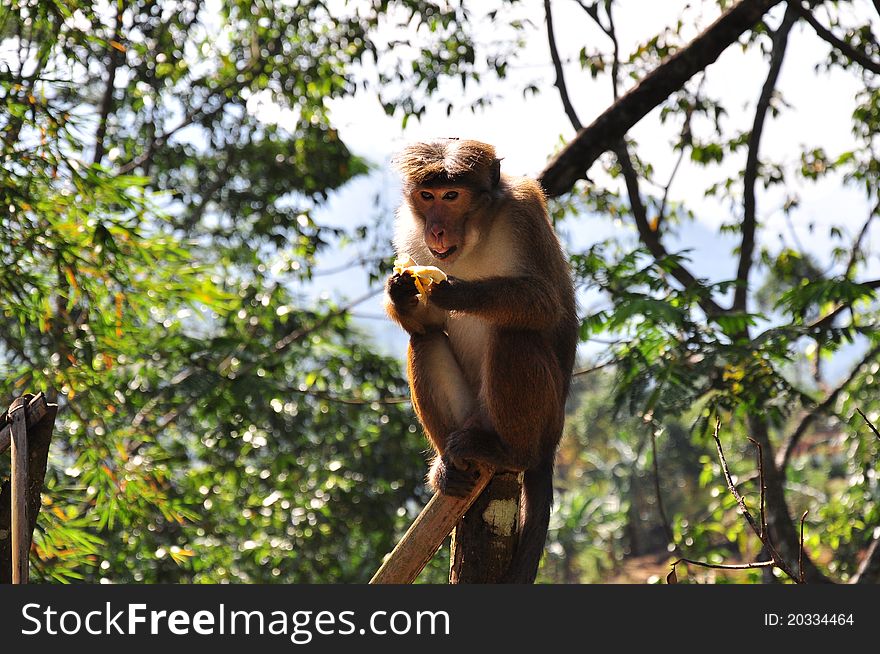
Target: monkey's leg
522,406
442,400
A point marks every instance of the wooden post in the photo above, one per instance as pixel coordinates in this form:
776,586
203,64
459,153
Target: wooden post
485,539
425,536
37,409
27,428
21,540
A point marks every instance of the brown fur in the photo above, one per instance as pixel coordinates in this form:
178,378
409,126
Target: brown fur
492,350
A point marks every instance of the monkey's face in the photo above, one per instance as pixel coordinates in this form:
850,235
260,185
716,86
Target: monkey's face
444,210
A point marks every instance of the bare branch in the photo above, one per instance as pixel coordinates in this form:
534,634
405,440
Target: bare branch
667,526
750,176
724,566
870,424
764,538
857,244
801,550
763,486
861,58
106,107
606,131
661,212
560,74
869,569
586,371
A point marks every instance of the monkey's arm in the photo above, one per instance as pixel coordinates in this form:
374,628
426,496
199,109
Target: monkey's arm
405,309
525,302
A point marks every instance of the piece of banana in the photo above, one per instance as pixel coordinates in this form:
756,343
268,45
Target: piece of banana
423,276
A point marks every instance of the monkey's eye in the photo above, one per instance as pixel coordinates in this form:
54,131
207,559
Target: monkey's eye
450,195
427,196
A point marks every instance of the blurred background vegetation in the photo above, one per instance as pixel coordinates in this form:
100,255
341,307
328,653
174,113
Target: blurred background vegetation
223,420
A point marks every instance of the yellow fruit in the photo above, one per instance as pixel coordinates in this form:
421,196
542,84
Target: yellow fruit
423,276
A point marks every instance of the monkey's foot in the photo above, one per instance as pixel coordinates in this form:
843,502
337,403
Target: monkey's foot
446,478
475,444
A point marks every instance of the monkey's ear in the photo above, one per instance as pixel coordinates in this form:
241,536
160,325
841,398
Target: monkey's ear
496,172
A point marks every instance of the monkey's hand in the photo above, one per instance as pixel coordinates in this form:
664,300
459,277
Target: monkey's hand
444,294
445,477
402,291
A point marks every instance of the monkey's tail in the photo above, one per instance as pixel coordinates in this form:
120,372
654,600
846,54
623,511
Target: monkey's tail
535,505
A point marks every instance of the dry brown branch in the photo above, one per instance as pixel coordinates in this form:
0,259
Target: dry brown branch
764,538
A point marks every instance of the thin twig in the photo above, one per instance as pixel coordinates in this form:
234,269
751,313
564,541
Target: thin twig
774,554
801,550
724,566
857,244
560,76
870,424
660,507
731,486
763,487
591,369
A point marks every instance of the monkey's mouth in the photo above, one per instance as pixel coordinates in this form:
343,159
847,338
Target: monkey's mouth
445,253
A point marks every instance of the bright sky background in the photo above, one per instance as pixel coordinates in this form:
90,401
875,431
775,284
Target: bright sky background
527,131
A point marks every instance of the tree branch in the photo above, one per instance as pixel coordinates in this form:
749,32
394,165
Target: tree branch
606,131
106,106
869,423
651,238
194,114
861,58
857,244
667,526
750,176
784,455
560,75
761,532
869,569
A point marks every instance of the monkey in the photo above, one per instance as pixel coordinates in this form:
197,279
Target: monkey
492,348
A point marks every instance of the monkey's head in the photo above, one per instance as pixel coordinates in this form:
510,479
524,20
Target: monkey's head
446,183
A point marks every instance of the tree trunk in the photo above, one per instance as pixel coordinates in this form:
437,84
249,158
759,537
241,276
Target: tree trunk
780,527
485,539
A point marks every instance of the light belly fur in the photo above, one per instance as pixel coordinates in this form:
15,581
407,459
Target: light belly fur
469,338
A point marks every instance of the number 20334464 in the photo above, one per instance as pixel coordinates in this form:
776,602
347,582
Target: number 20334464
808,620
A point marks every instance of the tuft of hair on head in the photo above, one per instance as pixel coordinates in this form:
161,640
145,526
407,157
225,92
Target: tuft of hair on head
449,161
